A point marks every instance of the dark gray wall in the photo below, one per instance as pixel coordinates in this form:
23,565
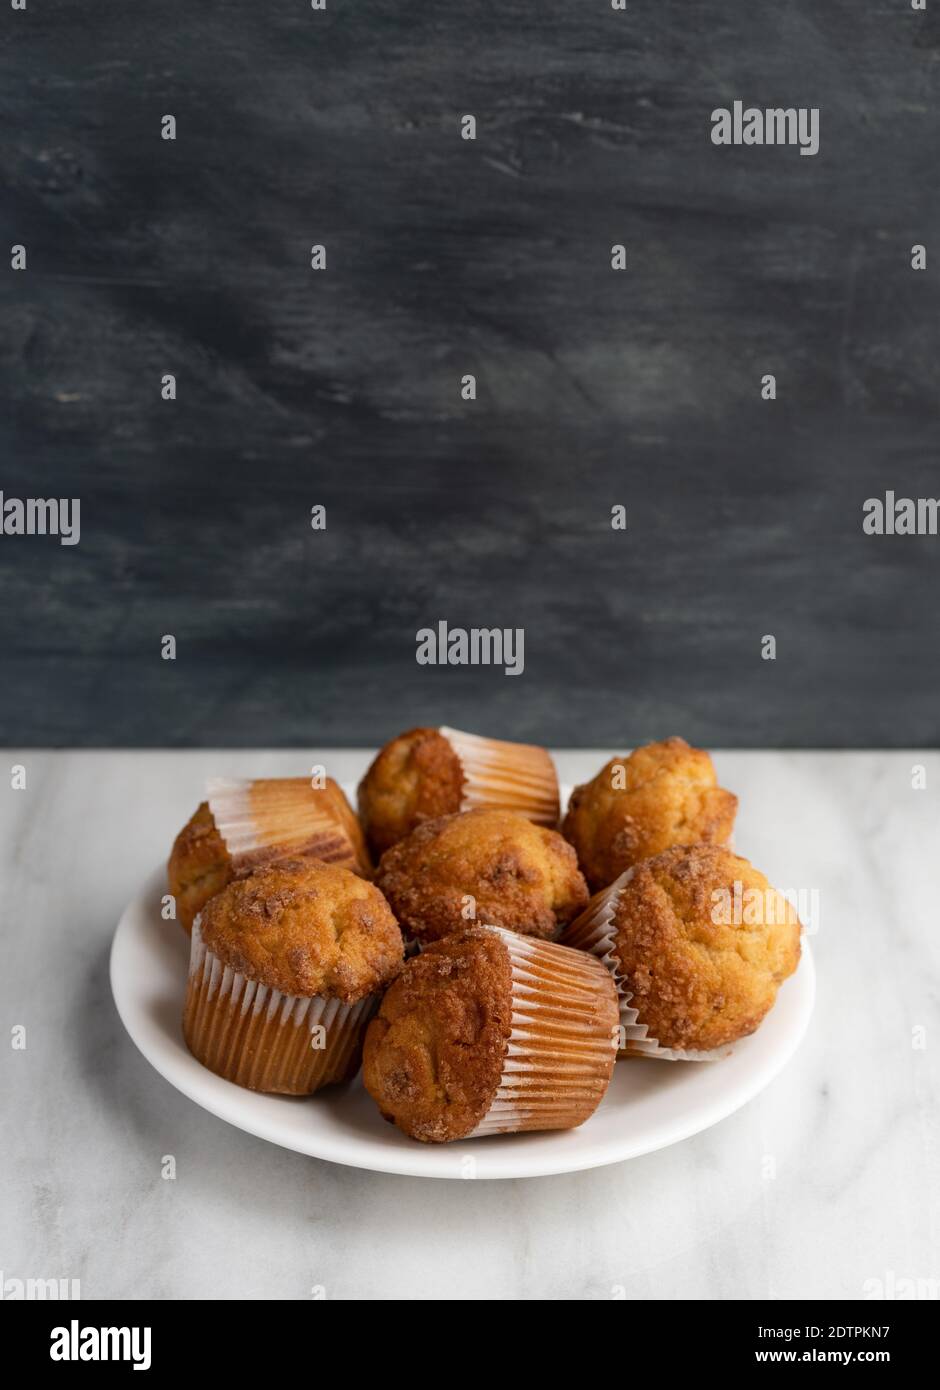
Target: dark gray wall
445,257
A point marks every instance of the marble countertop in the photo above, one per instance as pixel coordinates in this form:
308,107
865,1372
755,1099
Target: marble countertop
824,1186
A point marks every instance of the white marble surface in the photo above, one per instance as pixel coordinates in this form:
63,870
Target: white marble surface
827,1181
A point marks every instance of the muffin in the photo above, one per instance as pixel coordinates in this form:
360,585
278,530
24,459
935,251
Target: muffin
488,1032
199,866
426,773
698,942
492,867
286,967
247,824
661,795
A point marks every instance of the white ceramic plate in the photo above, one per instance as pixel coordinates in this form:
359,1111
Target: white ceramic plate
648,1105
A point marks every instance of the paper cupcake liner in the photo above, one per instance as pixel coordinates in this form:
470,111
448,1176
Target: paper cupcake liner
560,1055
512,776
594,931
261,1038
275,818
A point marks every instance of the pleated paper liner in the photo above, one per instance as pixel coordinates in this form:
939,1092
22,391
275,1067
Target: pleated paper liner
281,817
561,1050
263,1039
512,776
594,932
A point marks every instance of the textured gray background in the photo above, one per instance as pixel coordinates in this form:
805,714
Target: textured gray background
445,257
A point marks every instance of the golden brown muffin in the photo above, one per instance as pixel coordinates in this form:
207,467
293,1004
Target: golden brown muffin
199,865
662,794
433,1055
252,823
519,875
286,967
305,928
427,773
701,942
414,778
488,1032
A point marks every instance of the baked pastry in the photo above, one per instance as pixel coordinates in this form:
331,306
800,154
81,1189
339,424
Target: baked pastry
199,867
286,966
698,942
487,866
426,773
662,794
245,824
488,1032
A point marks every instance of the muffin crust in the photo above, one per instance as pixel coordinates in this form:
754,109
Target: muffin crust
305,928
414,778
434,1053
521,876
666,794
699,983
199,865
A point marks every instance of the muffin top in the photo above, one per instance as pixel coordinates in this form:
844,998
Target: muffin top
661,795
414,778
519,875
305,928
703,942
199,865
198,849
434,1053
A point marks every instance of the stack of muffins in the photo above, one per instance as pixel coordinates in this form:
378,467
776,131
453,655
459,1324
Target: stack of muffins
446,937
